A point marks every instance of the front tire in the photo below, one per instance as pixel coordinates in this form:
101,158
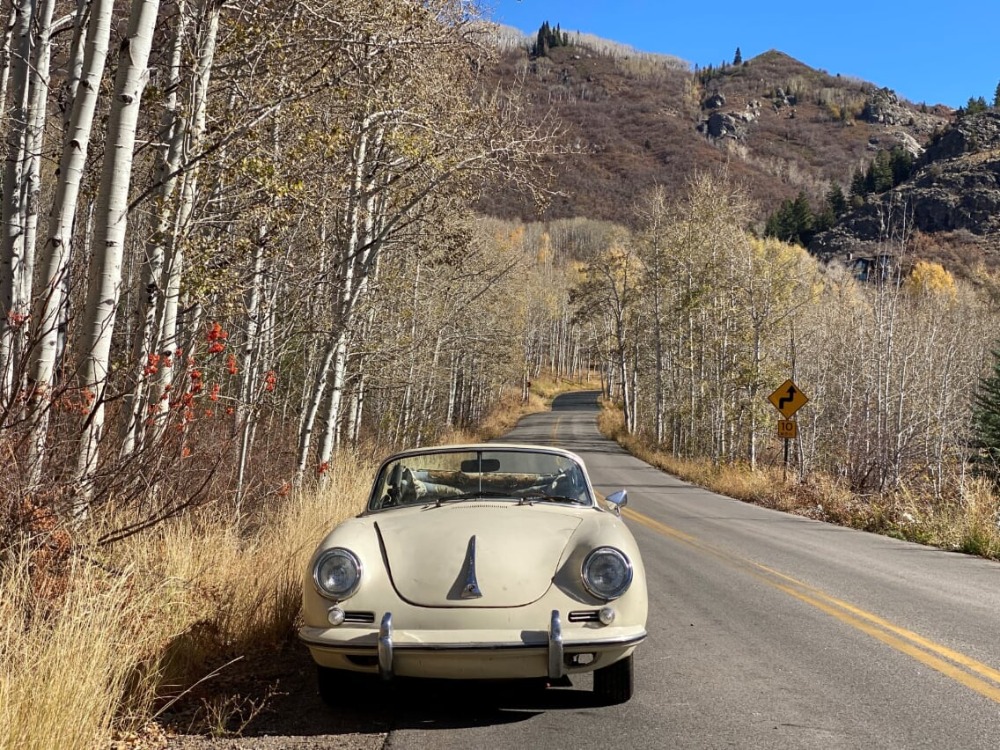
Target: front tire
614,683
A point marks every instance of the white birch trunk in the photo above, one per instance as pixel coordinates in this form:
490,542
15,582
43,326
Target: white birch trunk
312,409
54,261
335,354
5,58
331,434
251,364
104,288
38,108
169,157
173,271
13,214
449,419
75,64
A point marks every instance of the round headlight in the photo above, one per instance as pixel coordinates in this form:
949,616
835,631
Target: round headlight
607,573
337,573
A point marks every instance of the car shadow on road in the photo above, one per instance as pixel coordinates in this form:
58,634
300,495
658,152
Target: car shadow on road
431,704
374,707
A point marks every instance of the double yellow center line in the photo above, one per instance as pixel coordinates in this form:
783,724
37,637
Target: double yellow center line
963,669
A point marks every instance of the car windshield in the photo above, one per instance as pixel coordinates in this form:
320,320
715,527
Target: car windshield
446,476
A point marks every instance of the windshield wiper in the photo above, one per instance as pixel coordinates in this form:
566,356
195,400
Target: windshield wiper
542,497
470,496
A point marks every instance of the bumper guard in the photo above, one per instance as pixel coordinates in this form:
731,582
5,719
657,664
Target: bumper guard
555,647
385,647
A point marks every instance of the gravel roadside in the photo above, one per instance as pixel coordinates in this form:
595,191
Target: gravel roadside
269,702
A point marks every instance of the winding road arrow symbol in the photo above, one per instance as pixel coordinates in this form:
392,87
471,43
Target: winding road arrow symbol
788,398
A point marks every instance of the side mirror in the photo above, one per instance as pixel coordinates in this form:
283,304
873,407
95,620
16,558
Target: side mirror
618,499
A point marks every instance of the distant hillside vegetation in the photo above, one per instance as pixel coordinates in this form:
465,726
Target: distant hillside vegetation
787,131
949,207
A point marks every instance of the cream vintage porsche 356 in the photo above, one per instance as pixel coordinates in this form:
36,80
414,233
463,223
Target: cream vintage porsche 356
479,562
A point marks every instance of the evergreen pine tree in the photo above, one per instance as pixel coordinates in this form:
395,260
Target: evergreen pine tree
823,220
738,57
859,184
780,224
986,422
836,200
803,220
996,97
901,164
539,49
879,176
795,222
974,106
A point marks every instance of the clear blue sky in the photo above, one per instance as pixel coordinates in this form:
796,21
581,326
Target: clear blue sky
939,52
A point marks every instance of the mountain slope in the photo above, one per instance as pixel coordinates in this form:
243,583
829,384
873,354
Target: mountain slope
636,120
951,205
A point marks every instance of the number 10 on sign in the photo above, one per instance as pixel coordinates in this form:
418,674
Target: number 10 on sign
787,429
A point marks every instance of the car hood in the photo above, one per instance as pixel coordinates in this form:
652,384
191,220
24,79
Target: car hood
515,554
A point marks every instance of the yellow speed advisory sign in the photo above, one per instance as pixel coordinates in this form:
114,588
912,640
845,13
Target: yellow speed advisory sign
787,429
788,399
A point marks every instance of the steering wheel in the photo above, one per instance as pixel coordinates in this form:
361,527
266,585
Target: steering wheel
392,487
407,487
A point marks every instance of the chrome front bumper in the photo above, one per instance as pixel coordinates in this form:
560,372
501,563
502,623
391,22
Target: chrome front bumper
555,647
387,646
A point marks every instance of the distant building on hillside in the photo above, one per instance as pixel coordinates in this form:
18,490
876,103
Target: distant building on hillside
875,269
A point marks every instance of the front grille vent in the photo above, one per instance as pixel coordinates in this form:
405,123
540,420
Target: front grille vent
359,617
585,615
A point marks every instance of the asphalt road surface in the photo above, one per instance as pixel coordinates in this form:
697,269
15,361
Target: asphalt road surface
766,630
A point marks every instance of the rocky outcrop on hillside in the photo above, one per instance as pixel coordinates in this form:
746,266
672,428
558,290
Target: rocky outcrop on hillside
730,124
970,134
714,101
956,187
883,107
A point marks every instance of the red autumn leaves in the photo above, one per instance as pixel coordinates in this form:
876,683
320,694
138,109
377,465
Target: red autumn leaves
217,338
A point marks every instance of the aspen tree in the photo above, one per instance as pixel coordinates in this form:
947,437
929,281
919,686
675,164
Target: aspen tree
10,21
653,215
411,139
104,288
610,290
13,215
38,109
55,255
146,340
75,62
190,137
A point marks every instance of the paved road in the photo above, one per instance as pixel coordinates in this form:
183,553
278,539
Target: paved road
766,631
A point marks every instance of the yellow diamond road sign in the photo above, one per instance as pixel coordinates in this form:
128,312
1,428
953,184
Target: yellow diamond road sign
788,399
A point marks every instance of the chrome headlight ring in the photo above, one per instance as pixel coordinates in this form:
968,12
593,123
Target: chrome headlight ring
606,573
337,574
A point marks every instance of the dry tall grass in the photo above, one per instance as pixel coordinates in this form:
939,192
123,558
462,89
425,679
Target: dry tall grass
131,625
73,667
970,523
97,646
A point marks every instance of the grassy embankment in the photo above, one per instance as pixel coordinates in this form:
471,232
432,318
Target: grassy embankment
966,524
94,641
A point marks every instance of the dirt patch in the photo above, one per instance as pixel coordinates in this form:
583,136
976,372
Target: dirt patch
269,700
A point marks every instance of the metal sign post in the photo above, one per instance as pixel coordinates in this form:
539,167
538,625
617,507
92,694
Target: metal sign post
787,399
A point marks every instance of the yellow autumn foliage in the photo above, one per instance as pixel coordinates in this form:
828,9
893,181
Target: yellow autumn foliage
929,278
